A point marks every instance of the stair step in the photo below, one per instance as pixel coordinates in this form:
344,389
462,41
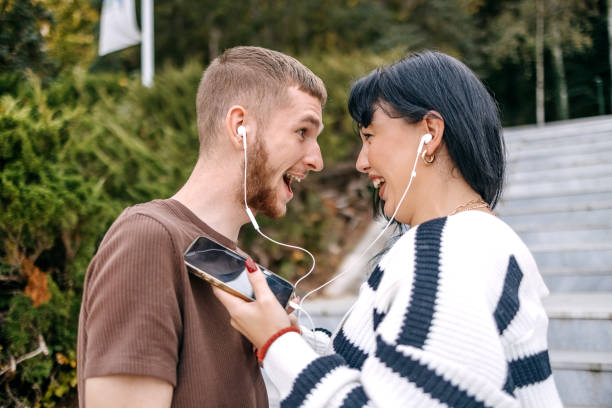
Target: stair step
557,130
589,259
578,279
580,334
587,219
578,237
597,157
583,305
575,172
585,406
560,187
562,203
571,246
515,146
577,271
584,388
594,361
559,151
583,378
564,227
578,283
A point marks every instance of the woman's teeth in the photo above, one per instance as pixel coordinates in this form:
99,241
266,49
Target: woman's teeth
378,182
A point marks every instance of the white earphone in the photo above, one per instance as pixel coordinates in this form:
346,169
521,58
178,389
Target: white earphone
242,132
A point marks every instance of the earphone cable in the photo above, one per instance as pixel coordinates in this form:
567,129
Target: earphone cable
257,228
352,264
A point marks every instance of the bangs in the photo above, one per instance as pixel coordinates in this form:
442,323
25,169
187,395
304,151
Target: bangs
364,96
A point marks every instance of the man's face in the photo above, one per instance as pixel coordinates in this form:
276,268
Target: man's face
285,152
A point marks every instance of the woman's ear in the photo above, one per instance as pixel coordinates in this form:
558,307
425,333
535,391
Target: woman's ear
233,120
435,127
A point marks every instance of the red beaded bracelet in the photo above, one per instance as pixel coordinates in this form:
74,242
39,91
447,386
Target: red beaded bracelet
261,352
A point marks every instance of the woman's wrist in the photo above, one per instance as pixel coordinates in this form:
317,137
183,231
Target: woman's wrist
261,351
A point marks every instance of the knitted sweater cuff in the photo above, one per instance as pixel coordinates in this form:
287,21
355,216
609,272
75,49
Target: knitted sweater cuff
285,359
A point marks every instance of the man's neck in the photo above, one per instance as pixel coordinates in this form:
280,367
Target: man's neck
212,195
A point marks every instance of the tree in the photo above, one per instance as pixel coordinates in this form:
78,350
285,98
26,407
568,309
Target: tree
21,41
70,36
523,30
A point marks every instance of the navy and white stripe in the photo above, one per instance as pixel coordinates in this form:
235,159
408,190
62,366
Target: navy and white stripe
309,378
400,345
424,289
509,302
352,354
356,398
375,277
530,370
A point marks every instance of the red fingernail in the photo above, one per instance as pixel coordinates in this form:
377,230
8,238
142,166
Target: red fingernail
250,265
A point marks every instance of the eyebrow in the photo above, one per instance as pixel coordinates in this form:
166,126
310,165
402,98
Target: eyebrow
313,120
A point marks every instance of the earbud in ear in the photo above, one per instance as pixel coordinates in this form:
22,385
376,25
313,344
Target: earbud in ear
241,131
427,138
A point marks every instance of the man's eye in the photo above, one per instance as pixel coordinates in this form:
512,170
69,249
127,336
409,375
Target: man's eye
302,133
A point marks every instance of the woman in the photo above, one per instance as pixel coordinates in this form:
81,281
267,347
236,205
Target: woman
451,314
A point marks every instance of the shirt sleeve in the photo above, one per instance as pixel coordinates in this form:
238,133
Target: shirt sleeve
318,339
133,316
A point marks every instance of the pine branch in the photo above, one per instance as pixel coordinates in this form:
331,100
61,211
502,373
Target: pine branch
12,366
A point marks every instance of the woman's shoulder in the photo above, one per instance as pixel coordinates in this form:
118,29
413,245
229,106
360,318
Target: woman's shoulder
476,229
485,242
470,240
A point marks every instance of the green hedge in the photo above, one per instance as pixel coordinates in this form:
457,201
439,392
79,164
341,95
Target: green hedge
73,154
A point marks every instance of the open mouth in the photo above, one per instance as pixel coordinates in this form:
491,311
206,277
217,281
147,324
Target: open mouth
289,178
378,183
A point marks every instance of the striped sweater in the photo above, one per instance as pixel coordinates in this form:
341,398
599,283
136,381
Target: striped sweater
451,316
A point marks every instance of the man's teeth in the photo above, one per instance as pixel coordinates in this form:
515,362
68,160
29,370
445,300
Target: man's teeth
291,178
378,182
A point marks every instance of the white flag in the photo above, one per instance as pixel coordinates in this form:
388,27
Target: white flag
118,28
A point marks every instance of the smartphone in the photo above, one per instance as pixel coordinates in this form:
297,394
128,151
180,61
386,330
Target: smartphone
224,268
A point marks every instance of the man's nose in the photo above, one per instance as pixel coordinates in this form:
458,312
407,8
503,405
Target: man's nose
314,160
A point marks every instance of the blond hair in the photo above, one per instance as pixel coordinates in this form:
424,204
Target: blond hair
254,77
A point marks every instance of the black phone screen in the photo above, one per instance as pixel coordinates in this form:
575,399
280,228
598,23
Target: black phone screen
229,268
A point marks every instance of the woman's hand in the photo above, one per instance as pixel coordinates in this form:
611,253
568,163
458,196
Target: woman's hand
257,320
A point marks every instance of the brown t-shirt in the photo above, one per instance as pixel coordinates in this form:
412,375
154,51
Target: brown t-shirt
144,314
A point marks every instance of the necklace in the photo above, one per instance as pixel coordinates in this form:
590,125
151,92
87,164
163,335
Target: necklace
471,205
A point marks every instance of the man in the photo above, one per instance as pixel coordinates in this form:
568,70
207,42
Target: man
150,333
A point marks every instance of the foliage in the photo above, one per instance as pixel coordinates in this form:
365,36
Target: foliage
70,36
65,174
513,29
21,43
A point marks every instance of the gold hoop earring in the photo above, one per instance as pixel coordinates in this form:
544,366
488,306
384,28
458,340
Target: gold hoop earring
428,159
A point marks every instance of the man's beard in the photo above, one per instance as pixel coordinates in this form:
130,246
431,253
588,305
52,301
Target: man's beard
261,196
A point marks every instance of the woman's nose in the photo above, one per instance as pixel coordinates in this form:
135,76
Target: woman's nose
362,163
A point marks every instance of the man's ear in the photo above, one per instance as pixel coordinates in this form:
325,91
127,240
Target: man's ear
435,127
233,120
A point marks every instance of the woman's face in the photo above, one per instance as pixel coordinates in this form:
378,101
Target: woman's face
387,156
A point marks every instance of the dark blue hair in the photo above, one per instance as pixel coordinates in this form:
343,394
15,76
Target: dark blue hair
433,81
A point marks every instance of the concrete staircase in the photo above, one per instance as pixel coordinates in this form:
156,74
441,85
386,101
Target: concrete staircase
558,198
